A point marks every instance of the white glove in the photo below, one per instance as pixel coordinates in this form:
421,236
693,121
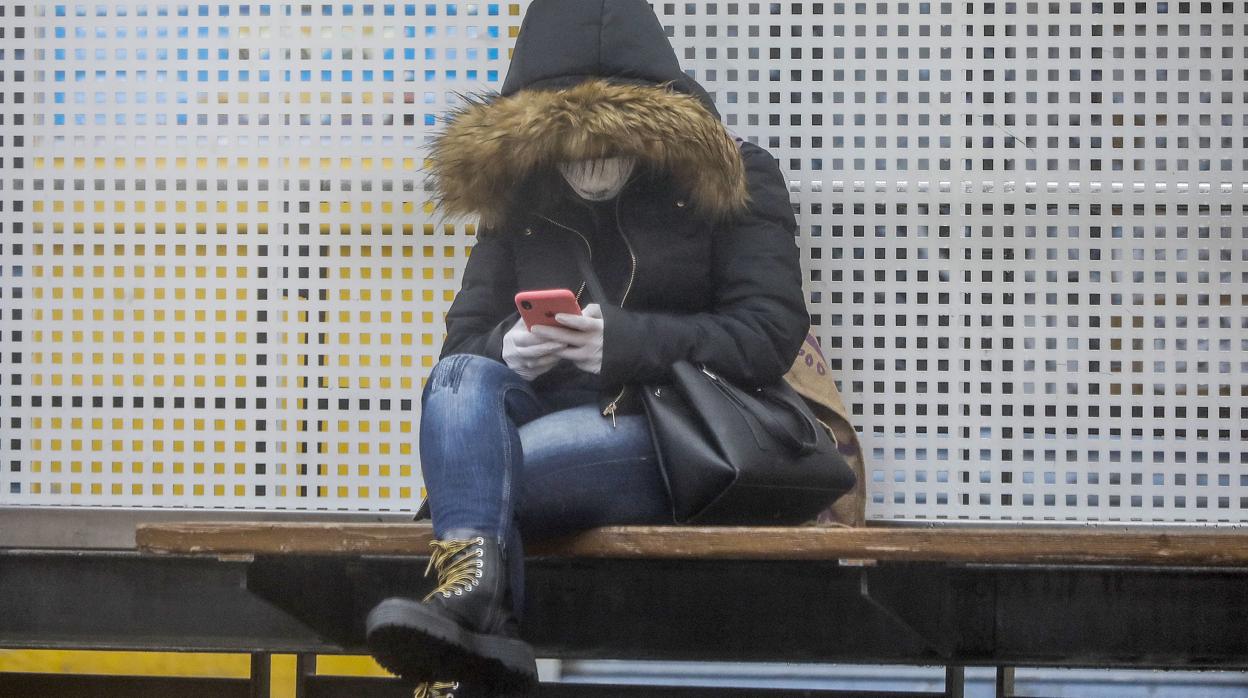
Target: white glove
527,354
581,336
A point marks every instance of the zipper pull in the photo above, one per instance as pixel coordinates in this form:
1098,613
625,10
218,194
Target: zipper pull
611,407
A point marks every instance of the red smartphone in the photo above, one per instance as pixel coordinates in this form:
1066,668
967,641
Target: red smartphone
540,307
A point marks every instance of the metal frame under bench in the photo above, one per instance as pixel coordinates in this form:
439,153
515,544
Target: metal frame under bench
954,596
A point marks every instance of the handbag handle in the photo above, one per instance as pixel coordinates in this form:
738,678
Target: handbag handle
808,441
803,443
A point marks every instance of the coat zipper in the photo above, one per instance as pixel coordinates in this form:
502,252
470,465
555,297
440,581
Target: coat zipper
588,247
632,273
611,407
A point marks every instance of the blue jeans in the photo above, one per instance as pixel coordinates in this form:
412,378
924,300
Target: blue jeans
501,459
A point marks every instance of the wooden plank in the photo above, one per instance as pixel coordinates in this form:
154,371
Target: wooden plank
354,686
954,544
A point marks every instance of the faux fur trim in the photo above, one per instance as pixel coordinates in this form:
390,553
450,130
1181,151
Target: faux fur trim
492,144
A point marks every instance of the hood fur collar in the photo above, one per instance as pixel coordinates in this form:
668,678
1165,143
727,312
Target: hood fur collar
492,145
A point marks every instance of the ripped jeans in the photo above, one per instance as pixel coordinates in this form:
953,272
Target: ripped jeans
502,459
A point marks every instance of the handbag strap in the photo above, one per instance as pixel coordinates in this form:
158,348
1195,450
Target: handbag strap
802,444
591,279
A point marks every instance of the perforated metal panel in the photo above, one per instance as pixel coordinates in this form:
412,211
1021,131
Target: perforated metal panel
1023,229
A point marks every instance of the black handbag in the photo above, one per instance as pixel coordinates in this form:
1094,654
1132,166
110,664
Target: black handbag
735,456
731,455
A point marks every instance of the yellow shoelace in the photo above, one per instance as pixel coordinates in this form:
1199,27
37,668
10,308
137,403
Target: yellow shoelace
457,572
435,689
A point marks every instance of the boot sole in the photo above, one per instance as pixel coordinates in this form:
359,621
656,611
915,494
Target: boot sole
414,643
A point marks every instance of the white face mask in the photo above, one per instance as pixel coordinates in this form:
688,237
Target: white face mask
598,179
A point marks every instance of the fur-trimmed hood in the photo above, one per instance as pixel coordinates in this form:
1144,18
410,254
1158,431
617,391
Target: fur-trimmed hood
587,80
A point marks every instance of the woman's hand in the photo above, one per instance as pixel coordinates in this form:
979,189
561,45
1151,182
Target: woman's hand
528,354
581,337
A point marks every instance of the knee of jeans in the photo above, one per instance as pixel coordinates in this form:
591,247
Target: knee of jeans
467,369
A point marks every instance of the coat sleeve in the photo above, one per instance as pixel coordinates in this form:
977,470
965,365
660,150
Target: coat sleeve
758,321
484,308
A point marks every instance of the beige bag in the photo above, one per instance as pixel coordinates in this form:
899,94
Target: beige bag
812,379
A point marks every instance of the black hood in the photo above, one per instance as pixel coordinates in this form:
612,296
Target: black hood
588,79
565,42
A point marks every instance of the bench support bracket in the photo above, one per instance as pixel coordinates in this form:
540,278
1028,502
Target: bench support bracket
911,613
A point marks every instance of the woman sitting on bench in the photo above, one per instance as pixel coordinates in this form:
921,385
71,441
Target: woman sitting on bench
598,140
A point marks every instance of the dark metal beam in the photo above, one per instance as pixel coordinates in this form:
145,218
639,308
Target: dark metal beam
61,686
1005,682
721,610
261,674
305,672
955,681
123,600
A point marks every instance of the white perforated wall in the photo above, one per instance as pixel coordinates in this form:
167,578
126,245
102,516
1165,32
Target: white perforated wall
1024,227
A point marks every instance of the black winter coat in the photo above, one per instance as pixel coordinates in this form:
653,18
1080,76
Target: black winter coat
714,268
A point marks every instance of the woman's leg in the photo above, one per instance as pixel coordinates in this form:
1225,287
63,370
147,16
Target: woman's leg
469,442
470,452
581,472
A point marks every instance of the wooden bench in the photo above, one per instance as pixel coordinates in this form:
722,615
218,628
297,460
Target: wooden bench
1002,596
956,544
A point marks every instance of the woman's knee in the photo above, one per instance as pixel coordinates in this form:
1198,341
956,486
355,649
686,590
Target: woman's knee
457,371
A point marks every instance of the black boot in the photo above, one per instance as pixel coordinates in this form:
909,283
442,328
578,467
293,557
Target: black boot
435,689
464,628
460,689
